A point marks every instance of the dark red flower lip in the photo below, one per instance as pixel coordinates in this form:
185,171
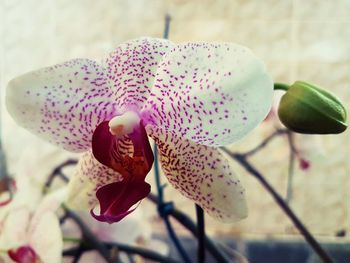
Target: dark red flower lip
23,254
105,150
117,198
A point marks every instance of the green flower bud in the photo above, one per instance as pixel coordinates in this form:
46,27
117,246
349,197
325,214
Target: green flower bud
306,108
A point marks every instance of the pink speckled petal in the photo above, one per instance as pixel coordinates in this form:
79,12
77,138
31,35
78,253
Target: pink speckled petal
202,174
213,94
62,104
90,175
131,70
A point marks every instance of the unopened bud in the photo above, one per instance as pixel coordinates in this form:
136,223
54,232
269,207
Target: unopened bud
306,108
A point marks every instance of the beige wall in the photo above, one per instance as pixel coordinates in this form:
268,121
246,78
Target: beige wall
298,39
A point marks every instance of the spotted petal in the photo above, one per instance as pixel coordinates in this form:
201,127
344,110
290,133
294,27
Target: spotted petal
63,103
202,174
131,70
117,198
212,94
90,175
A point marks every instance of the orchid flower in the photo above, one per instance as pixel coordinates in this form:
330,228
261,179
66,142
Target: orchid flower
189,98
32,236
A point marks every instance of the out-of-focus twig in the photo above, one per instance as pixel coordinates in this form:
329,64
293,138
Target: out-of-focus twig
145,253
57,172
241,159
265,142
88,236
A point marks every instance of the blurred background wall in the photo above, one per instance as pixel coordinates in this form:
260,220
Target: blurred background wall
297,39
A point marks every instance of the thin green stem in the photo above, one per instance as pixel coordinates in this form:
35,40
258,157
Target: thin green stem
72,240
280,86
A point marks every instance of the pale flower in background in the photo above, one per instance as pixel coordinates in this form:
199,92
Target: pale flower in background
31,235
29,228
135,230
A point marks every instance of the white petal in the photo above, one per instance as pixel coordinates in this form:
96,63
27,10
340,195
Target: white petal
46,238
131,70
202,174
62,104
50,203
90,175
213,94
14,228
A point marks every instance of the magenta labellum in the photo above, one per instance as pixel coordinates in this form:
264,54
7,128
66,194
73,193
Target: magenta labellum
118,197
23,254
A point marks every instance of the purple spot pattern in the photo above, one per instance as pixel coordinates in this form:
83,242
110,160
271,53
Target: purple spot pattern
132,68
202,174
63,103
212,94
90,175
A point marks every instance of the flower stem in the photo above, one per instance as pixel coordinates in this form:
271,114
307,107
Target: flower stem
283,205
187,222
201,234
89,236
72,240
58,172
280,86
265,142
78,254
145,253
167,27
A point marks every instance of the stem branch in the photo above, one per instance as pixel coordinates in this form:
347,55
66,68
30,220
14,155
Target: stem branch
283,205
280,86
187,222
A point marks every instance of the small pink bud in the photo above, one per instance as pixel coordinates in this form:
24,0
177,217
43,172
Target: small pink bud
304,164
